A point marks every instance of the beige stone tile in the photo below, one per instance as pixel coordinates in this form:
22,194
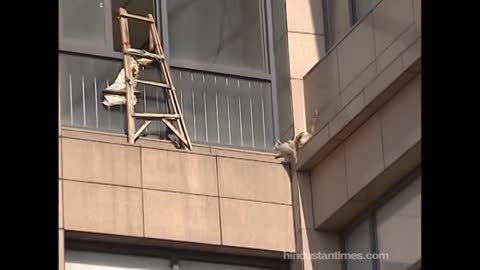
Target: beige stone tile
244,154
397,47
358,84
315,143
305,16
61,250
356,52
298,105
60,204
412,53
257,225
401,121
364,155
391,18
383,80
305,50
181,217
321,85
177,171
94,135
253,180
101,162
329,185
345,216
328,112
346,115
60,158
102,208
167,145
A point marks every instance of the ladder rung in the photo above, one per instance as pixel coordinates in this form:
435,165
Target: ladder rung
156,115
131,16
154,84
143,53
119,92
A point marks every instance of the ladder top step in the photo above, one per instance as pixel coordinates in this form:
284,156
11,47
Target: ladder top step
143,53
136,17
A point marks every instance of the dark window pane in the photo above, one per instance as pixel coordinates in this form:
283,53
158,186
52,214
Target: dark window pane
358,244
217,109
196,265
88,260
82,80
362,7
217,33
83,23
138,30
399,229
225,110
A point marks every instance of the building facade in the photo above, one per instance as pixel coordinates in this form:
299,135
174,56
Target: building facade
247,73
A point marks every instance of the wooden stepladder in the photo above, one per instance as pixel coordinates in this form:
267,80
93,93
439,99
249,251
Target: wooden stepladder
174,118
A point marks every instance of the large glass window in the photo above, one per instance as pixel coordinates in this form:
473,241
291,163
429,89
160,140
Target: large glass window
392,231
219,65
399,229
360,8
85,260
358,242
79,29
94,260
217,34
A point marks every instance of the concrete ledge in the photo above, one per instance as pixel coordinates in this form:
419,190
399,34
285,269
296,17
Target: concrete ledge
354,114
106,239
374,190
112,138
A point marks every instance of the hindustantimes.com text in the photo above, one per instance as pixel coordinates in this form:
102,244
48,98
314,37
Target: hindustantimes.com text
335,256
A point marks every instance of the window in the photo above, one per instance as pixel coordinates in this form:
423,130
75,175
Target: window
337,20
220,56
358,241
139,31
217,34
102,256
360,8
393,229
399,229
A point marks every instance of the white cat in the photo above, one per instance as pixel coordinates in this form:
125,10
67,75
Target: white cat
289,148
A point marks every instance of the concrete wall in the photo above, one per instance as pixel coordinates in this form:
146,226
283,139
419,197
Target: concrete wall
364,63
367,91
372,160
306,46
150,190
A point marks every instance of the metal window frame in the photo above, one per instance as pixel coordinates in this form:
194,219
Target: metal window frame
160,7
327,21
173,254
371,216
353,12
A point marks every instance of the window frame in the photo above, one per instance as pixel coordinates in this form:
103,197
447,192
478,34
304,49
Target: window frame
162,25
354,19
172,254
370,215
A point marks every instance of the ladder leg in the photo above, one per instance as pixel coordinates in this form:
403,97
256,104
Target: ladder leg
128,79
171,92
